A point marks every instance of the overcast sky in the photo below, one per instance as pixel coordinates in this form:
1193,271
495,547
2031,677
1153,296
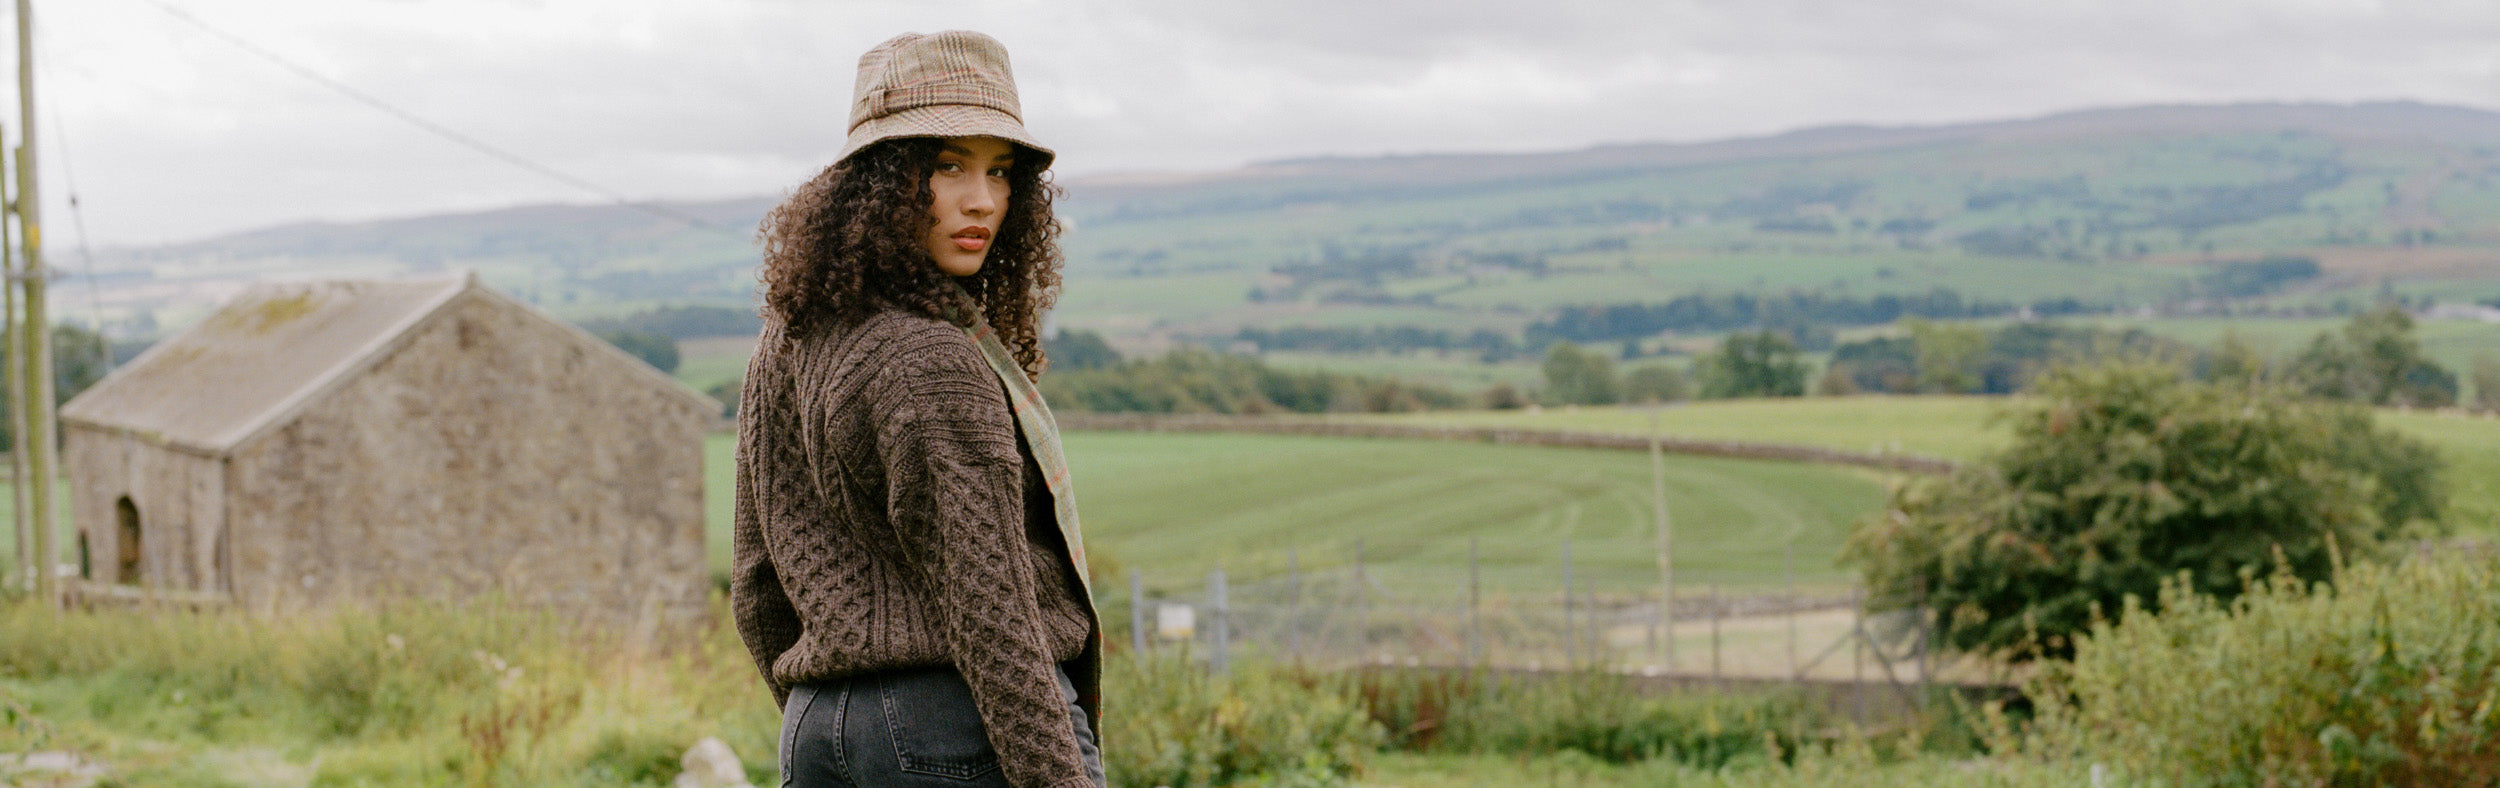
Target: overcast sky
170,133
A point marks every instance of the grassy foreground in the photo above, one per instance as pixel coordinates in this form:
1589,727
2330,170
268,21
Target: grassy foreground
481,695
2386,679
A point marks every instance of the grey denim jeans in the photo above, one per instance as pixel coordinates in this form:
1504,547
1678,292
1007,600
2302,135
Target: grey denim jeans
901,728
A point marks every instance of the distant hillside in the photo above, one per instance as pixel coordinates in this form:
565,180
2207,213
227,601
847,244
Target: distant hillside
2137,209
556,230
2408,122
2130,208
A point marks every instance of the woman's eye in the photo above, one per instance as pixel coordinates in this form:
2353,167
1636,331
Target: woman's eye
998,172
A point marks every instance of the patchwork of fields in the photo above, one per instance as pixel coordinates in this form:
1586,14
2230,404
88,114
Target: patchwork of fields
1176,505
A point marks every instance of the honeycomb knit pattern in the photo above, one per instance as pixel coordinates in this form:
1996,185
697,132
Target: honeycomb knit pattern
888,517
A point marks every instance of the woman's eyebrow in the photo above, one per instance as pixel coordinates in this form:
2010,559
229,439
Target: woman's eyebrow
1005,158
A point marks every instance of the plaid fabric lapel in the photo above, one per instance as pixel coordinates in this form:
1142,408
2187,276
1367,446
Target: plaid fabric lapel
1041,436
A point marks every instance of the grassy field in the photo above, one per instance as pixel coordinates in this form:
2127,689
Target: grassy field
2471,444
1252,498
1962,428
711,361
1176,506
1954,428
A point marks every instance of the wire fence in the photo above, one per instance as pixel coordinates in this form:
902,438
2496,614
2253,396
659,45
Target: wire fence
1343,616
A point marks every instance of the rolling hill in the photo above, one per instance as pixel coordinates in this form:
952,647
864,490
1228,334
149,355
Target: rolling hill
2128,210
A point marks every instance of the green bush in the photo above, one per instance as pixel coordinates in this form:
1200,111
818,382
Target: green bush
2124,475
1756,364
1180,725
2389,677
1577,376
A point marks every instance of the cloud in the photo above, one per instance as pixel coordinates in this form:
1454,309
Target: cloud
174,133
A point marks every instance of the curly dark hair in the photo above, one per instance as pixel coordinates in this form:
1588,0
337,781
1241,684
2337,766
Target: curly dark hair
848,243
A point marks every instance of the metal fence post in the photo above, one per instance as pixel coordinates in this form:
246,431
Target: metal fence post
1571,633
1136,612
1221,629
1475,607
1718,608
1789,561
1362,603
1857,656
1293,611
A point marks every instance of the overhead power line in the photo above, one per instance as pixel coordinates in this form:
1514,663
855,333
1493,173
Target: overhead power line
430,126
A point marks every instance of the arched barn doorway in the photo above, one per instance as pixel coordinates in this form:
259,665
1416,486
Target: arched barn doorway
127,514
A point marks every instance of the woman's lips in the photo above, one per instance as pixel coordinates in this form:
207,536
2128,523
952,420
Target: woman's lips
972,239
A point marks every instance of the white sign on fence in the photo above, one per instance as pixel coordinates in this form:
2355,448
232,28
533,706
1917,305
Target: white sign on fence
1174,621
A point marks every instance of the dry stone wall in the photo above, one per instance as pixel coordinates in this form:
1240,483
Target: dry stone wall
1274,425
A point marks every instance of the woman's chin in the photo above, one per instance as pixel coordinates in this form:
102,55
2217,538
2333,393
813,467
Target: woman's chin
959,265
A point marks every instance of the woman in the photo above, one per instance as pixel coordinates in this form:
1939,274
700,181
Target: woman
907,560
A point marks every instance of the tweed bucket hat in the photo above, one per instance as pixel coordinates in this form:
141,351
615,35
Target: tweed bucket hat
950,84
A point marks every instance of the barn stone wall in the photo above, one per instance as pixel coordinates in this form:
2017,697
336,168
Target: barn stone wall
491,451
180,499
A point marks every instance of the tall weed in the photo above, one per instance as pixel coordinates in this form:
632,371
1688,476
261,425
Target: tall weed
1180,725
479,693
1597,713
2389,677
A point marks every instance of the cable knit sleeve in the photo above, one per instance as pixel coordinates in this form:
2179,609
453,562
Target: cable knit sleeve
766,621
954,484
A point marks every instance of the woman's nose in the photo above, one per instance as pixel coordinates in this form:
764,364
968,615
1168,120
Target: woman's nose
982,201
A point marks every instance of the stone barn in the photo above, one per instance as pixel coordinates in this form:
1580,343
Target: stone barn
320,442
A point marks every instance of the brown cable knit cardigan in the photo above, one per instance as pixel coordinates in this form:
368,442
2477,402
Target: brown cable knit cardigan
888,517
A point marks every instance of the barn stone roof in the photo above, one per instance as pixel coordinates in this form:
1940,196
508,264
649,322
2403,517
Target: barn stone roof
263,356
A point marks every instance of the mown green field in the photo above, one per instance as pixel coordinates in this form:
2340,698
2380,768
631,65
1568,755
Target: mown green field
1174,506
1959,428
1953,428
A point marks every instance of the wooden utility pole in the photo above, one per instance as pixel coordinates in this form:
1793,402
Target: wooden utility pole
34,391
15,372
1666,537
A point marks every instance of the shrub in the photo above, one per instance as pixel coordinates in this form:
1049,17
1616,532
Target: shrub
2124,475
1578,376
1758,364
1656,383
1182,726
2377,360
1197,381
1596,713
2389,677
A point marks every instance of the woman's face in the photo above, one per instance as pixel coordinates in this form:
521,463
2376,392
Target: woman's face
968,201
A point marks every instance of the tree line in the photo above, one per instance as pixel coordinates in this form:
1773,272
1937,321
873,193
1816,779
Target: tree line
1086,376
1489,345
1789,312
2373,359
